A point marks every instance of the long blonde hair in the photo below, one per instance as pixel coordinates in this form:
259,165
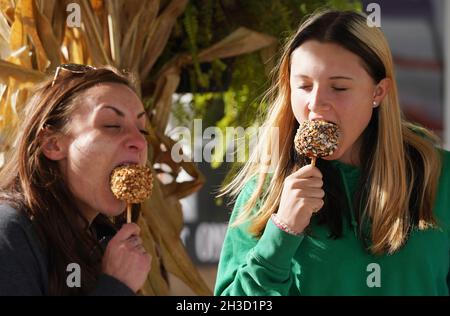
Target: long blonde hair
401,166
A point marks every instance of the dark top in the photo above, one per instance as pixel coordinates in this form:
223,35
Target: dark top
23,263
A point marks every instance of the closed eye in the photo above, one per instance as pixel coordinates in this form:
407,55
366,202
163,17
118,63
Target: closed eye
304,87
339,89
143,131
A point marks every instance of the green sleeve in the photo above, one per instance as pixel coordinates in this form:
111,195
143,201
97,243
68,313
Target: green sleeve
249,266
444,188
448,278
445,182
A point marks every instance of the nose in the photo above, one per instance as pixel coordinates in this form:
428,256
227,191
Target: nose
318,101
135,140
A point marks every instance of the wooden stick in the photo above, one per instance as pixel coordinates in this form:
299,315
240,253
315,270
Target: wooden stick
129,206
313,161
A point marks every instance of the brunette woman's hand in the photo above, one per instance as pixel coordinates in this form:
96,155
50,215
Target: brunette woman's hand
301,197
126,259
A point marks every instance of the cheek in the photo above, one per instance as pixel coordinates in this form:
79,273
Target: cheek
353,121
88,153
298,106
88,165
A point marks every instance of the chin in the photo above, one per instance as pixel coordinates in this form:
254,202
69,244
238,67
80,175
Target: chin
110,205
114,209
335,156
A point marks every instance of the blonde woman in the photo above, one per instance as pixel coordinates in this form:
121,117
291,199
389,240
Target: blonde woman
371,219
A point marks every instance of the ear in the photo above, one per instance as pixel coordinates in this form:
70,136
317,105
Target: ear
381,90
53,145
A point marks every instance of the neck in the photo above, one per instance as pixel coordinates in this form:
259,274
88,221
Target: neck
88,213
351,156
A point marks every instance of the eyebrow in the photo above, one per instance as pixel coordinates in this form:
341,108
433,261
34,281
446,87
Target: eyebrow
340,77
331,78
119,112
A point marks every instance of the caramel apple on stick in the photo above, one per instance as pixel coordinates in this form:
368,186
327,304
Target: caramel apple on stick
316,139
132,184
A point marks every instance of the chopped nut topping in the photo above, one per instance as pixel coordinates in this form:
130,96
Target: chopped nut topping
132,184
316,138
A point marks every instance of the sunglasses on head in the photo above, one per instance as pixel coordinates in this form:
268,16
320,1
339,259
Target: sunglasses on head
73,68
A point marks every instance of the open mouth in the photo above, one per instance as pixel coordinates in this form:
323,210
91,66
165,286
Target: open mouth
323,120
125,163
122,164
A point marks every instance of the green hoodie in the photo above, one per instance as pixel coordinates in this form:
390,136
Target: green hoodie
283,264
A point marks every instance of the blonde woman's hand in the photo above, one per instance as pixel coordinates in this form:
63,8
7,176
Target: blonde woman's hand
301,197
126,259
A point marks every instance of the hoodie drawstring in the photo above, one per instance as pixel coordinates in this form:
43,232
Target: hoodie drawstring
350,204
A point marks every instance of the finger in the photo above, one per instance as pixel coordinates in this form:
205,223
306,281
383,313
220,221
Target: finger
133,241
307,171
307,183
126,231
310,193
138,240
140,249
316,204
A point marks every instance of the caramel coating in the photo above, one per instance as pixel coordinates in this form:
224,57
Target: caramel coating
132,183
316,138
